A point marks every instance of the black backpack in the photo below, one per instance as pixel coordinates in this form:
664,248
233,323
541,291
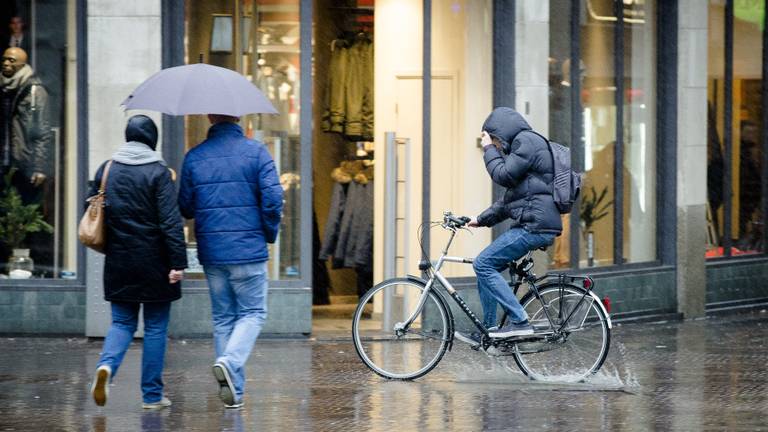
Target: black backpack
567,184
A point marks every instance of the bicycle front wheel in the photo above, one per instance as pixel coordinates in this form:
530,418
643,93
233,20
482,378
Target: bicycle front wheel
391,349
583,345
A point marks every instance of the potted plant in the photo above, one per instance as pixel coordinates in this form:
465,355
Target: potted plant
592,210
17,220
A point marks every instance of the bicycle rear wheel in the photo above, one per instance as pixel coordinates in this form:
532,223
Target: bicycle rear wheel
393,352
584,344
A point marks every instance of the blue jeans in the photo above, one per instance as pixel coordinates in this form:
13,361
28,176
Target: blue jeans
125,318
491,285
239,306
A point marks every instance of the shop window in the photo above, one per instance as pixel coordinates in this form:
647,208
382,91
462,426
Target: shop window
260,39
38,142
613,138
735,149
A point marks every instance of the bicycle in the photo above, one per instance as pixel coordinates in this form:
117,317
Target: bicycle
572,328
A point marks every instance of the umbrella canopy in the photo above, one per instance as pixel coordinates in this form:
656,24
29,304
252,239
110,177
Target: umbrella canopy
199,89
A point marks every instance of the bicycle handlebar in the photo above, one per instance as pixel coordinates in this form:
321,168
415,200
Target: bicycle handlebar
455,221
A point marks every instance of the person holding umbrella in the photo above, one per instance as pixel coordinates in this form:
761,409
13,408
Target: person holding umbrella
230,187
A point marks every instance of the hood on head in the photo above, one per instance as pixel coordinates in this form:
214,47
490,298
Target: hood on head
142,129
505,123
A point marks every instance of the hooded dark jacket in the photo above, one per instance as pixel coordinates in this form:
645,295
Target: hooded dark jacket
145,237
525,168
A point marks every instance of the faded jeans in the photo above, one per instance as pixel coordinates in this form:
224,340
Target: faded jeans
239,306
492,287
125,318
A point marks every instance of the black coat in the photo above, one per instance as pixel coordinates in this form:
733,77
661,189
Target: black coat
145,237
525,167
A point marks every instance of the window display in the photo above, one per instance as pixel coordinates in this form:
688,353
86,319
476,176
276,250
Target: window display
735,169
34,204
617,213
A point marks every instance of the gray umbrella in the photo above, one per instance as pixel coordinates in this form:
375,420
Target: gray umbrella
199,89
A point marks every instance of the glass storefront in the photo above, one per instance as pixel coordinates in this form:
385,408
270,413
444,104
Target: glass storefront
608,216
38,141
735,220
260,39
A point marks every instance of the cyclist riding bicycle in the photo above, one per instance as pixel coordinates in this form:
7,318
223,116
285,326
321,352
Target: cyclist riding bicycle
519,160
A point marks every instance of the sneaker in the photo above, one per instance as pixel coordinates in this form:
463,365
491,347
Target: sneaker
511,329
226,388
237,405
100,385
473,339
162,403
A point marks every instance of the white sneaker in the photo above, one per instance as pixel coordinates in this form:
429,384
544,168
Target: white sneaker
162,403
511,329
100,385
237,405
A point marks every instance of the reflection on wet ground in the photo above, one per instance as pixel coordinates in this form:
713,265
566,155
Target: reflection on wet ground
697,375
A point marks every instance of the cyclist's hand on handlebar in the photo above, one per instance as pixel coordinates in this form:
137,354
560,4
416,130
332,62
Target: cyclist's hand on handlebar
473,223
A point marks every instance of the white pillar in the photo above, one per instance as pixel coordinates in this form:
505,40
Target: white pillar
124,48
691,157
531,62
532,74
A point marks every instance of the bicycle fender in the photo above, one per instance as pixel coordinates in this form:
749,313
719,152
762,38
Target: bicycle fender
602,306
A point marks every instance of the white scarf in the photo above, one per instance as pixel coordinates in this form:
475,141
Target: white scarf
20,77
136,153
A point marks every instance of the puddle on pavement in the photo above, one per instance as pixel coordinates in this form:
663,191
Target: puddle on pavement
464,366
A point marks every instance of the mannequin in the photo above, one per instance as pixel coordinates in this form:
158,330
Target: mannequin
25,133
25,144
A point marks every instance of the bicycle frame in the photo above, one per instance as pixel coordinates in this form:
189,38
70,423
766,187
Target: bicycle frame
531,279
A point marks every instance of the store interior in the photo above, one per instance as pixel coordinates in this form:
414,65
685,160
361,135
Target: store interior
343,160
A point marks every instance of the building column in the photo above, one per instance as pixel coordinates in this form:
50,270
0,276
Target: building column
691,158
124,49
532,75
531,62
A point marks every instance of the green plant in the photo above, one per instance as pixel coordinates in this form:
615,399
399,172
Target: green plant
16,218
593,209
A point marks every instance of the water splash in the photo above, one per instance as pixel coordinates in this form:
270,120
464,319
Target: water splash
465,366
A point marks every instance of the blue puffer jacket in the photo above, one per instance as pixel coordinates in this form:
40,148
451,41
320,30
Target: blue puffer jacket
525,168
229,185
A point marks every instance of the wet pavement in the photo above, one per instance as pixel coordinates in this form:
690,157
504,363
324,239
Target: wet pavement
696,375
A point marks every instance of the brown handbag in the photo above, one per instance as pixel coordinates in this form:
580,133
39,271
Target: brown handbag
92,231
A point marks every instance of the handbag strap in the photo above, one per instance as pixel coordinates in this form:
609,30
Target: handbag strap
103,187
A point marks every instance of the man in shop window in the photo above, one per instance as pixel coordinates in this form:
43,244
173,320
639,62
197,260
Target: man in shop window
25,134
18,39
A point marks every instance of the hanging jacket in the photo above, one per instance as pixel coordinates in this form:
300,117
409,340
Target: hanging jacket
362,227
335,214
355,92
367,106
524,166
335,102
